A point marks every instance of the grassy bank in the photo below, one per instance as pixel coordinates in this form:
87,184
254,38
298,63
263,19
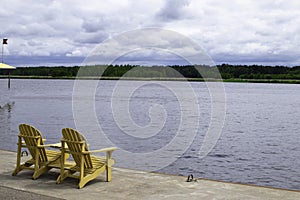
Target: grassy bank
232,80
229,73
288,81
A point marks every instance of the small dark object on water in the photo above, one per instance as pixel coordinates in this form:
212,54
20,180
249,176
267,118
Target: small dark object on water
190,178
24,152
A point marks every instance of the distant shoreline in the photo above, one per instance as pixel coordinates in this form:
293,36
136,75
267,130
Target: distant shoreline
220,73
232,80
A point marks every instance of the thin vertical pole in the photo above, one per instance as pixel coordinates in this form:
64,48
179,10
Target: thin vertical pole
8,79
2,51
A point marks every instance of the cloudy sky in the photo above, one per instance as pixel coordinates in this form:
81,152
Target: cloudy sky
64,32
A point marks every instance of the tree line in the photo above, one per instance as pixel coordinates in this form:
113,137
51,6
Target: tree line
227,71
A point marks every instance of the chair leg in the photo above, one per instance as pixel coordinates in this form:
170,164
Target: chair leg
82,183
62,177
21,167
108,174
18,167
40,171
85,179
16,171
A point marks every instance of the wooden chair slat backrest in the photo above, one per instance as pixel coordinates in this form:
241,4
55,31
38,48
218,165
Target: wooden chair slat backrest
77,146
33,139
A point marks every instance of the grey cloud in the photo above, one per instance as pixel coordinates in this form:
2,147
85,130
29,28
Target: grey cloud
287,59
94,25
30,30
172,10
151,57
25,61
91,38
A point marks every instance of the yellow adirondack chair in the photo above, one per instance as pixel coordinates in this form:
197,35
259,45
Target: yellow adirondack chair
85,167
42,159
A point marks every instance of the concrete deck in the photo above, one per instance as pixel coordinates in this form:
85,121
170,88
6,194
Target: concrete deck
126,184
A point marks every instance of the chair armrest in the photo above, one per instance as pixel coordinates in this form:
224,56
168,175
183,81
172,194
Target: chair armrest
54,145
110,149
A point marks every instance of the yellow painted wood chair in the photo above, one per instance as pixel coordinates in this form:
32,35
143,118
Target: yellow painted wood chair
85,166
42,159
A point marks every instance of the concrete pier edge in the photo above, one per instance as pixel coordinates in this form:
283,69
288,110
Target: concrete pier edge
127,184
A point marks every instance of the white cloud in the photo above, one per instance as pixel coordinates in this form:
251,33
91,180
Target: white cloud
231,31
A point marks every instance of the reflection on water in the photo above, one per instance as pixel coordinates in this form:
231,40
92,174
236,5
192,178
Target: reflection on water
5,121
260,142
8,106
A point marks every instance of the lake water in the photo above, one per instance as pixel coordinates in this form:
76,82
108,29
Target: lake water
259,144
